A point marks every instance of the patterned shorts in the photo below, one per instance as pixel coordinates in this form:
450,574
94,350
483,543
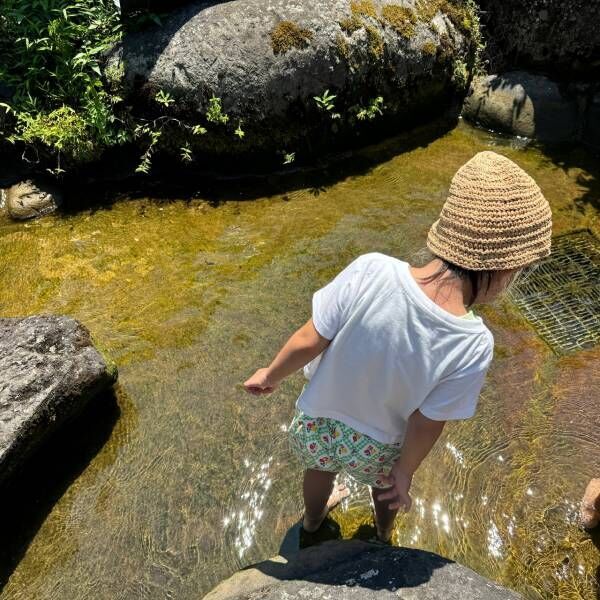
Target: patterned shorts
328,445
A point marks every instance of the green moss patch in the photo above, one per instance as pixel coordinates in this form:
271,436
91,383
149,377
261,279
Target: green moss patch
287,35
342,46
429,48
400,18
363,8
351,24
456,10
375,41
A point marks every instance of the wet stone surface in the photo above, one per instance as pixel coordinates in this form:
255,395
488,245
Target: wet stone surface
348,570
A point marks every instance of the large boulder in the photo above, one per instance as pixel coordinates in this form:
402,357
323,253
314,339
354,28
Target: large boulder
550,35
266,61
29,199
356,570
523,104
49,370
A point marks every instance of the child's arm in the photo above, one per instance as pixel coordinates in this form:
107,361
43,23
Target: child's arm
304,345
421,435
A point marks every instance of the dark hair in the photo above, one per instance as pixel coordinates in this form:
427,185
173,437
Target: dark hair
478,280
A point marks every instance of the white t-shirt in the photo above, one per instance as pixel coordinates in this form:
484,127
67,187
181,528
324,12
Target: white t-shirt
393,351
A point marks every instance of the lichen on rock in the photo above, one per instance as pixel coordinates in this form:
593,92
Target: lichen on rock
287,35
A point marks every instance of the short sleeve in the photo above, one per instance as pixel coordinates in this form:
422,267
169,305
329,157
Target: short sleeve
330,304
456,397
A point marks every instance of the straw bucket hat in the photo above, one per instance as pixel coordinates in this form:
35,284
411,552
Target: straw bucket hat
495,217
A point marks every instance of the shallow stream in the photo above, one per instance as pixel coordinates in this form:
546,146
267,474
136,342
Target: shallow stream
195,480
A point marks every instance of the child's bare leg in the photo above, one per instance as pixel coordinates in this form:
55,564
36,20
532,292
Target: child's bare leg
320,497
384,516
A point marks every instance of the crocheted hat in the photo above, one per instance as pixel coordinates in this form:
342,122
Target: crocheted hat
495,217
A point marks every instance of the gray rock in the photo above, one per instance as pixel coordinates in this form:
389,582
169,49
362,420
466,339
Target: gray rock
552,35
352,569
267,60
28,199
522,104
49,370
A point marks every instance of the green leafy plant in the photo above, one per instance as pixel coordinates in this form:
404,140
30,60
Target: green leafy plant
186,152
215,113
288,157
239,131
198,130
325,101
51,52
374,109
154,137
164,98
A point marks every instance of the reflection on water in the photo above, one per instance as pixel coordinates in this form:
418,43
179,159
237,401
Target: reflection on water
189,298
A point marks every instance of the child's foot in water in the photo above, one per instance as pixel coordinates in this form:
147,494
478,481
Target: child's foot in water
340,491
384,535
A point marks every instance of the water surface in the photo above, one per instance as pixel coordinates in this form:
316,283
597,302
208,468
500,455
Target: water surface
195,479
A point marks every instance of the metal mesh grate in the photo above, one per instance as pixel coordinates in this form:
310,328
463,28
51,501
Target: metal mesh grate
561,296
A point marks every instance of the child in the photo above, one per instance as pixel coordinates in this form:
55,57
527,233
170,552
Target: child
392,351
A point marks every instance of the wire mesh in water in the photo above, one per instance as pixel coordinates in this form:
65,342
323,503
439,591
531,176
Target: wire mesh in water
560,296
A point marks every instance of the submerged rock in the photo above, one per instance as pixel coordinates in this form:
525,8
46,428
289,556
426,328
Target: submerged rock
29,199
49,370
265,63
590,505
352,569
523,104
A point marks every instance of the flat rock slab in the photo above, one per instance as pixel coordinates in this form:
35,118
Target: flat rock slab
352,569
49,370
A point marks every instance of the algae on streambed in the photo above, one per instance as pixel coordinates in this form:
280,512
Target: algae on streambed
195,479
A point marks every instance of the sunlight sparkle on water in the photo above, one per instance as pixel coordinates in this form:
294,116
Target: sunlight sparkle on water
495,543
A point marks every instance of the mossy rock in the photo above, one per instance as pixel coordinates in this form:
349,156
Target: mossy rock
267,63
401,18
287,35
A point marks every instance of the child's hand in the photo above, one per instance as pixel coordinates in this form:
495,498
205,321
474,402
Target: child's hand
398,494
260,383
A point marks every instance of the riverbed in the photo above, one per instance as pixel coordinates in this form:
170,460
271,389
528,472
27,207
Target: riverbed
190,296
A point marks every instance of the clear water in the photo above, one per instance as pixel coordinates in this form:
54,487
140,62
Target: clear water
193,480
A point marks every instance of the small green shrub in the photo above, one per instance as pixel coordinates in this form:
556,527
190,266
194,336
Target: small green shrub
215,113
374,109
62,129
50,58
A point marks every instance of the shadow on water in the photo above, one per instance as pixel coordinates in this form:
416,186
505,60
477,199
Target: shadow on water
588,180
170,181
28,498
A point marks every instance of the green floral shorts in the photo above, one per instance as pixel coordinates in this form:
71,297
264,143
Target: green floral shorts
328,445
